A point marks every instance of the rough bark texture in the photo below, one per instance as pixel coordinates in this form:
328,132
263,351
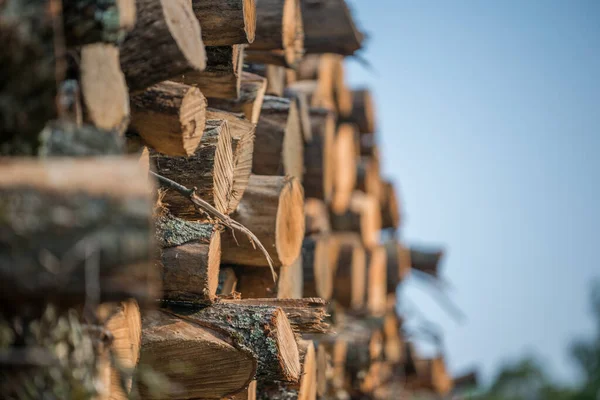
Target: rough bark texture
265,330
318,156
247,394
170,117
259,283
222,76
303,113
166,42
368,178
390,210
344,159
363,216
209,170
59,226
252,93
67,139
329,27
173,345
278,147
398,264
350,271
273,209
363,111
226,22
317,259
316,217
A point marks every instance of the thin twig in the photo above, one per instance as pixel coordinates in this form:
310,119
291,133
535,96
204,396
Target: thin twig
212,212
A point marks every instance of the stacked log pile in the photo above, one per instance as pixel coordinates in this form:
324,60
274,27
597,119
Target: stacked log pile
192,206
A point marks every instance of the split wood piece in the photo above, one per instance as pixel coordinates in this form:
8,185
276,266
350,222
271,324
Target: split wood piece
222,76
173,345
344,159
306,389
274,74
28,54
68,139
227,282
257,282
226,22
433,375
329,27
427,261
242,140
316,217
393,349
303,112
124,323
349,271
318,257
247,394
280,28
170,117
390,210
91,21
377,281
104,91
363,111
278,148
323,366
190,259
209,170
263,329
308,315
165,42
290,281
54,256
273,209
363,216
250,100
319,155
398,264
368,178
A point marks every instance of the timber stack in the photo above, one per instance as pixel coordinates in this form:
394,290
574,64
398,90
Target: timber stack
192,207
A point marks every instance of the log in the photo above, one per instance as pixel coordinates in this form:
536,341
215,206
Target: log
363,216
426,260
398,264
303,113
350,271
308,315
225,23
377,281
363,111
91,21
318,266
393,349
170,117
257,282
432,375
265,330
316,217
329,27
323,367
278,146
173,345
209,170
273,209
222,76
242,141
67,139
291,281
321,78
390,212
124,323
105,94
280,28
247,394
274,74
190,259
319,158
344,159
49,260
368,178
227,282
165,42
250,101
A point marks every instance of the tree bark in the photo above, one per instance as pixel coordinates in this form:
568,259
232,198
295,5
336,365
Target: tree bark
247,394
272,208
329,27
173,346
263,329
170,117
242,140
190,259
252,93
278,148
303,113
222,77
427,261
67,139
344,159
257,282
51,260
319,158
349,271
317,217
390,212
209,170
280,28
363,216
165,42
368,178
318,266
226,22
377,281
398,264
363,111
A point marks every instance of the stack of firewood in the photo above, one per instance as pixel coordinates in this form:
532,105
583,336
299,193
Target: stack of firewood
210,148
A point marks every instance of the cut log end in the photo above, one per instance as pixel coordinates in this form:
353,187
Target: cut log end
189,39
293,32
286,345
345,167
250,19
377,281
290,220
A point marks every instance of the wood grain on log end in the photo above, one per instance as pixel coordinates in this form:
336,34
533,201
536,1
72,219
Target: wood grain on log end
290,221
344,178
377,281
390,210
170,117
363,216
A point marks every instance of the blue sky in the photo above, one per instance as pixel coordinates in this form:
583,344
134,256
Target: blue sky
489,123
